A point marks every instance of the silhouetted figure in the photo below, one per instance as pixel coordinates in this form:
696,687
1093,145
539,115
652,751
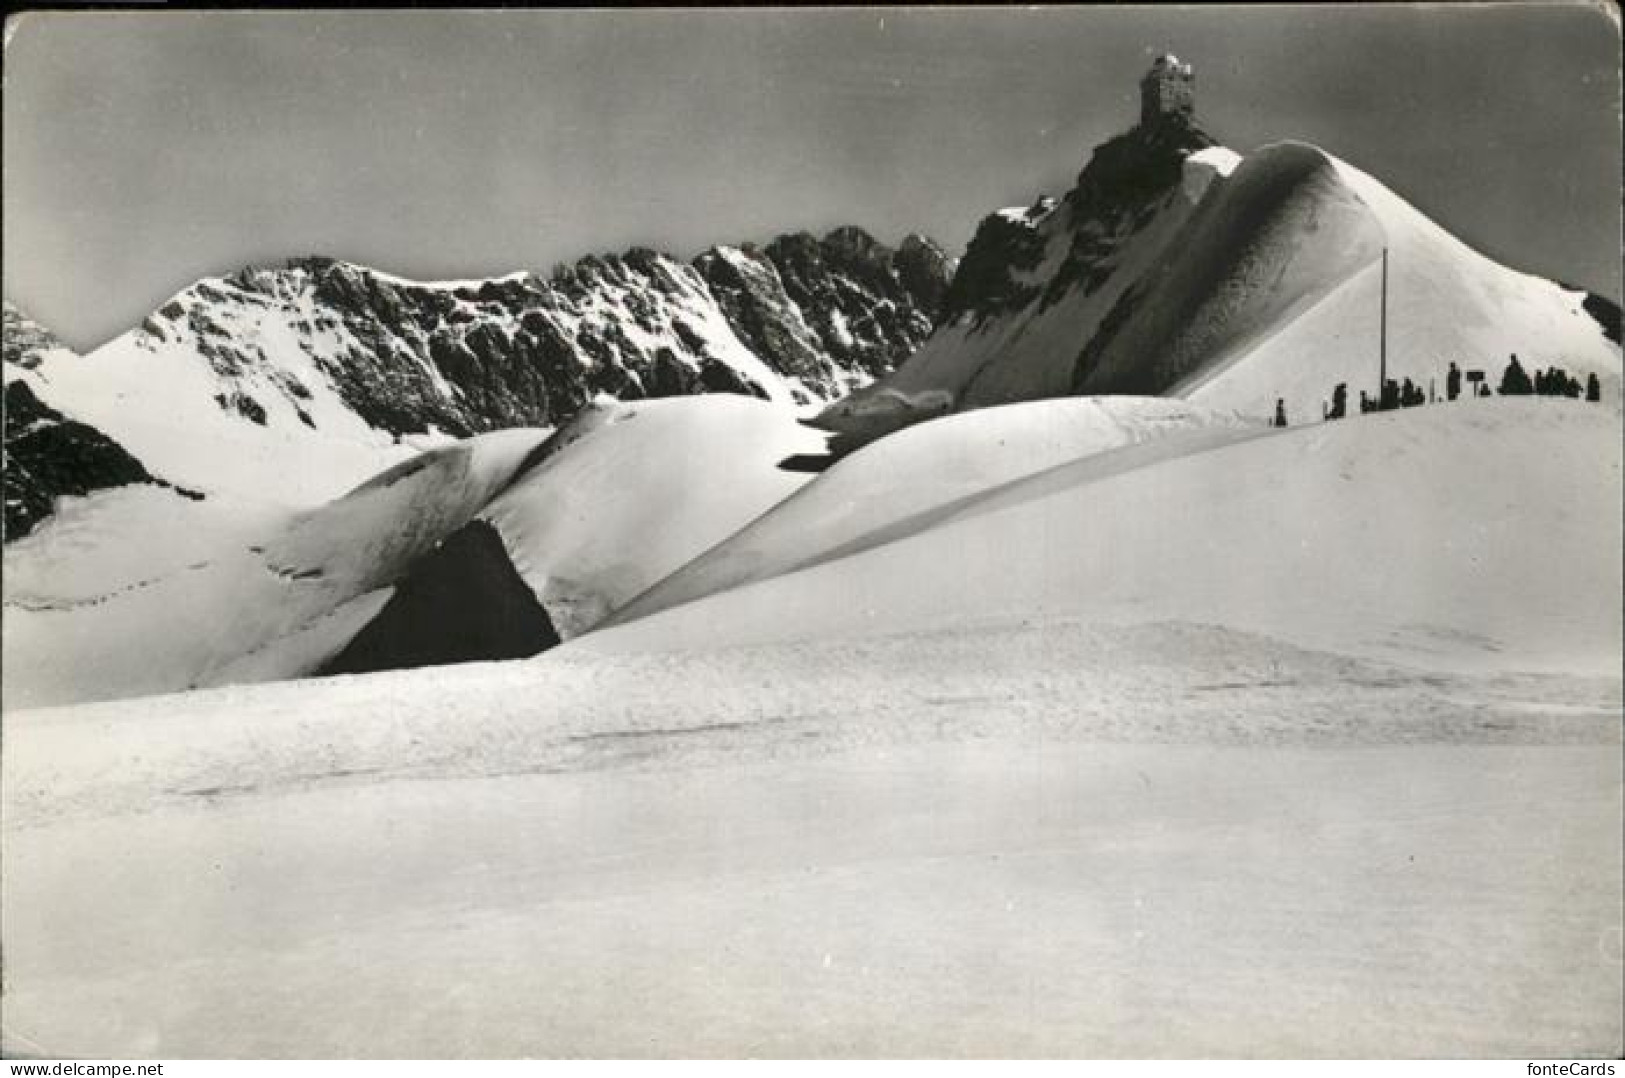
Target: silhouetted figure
1280,412
1390,396
1340,402
1571,387
1365,403
1593,387
1452,382
1515,380
1553,382
1409,395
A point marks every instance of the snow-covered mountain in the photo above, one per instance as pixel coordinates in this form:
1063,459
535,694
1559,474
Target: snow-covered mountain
302,380
796,744
1179,267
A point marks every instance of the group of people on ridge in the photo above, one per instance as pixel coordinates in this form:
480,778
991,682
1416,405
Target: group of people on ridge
1552,382
1515,381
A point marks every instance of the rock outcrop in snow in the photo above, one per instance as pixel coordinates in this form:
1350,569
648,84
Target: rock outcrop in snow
49,455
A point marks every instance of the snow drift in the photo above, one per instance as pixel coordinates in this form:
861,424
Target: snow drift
1481,532
555,531
655,484
905,483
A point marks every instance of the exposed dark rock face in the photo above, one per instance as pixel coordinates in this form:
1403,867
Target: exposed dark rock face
48,455
925,271
986,285
750,292
853,295
821,310
1606,313
462,602
1116,194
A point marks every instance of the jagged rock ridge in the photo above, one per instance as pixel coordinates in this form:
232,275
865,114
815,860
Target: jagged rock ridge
323,369
802,318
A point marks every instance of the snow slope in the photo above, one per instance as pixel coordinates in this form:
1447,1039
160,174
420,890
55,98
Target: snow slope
1044,839
588,518
1231,281
224,590
1446,302
1354,863
158,399
1266,243
1483,532
901,484
1202,746
1031,355
650,486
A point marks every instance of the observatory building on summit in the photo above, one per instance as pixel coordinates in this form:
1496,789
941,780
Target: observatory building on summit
1167,91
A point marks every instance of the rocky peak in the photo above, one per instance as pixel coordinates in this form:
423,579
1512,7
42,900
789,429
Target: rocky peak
925,270
866,311
1117,191
1138,165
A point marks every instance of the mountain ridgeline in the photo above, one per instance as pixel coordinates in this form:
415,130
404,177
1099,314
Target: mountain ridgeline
332,369
808,319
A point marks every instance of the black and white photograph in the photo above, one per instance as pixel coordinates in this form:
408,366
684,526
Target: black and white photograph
1084,532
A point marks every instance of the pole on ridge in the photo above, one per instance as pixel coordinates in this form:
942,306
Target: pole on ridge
1382,346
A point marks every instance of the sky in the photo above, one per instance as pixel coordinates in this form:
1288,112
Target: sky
143,150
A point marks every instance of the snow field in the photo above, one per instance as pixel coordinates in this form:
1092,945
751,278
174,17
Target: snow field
989,841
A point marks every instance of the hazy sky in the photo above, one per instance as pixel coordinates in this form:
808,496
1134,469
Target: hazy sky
144,150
